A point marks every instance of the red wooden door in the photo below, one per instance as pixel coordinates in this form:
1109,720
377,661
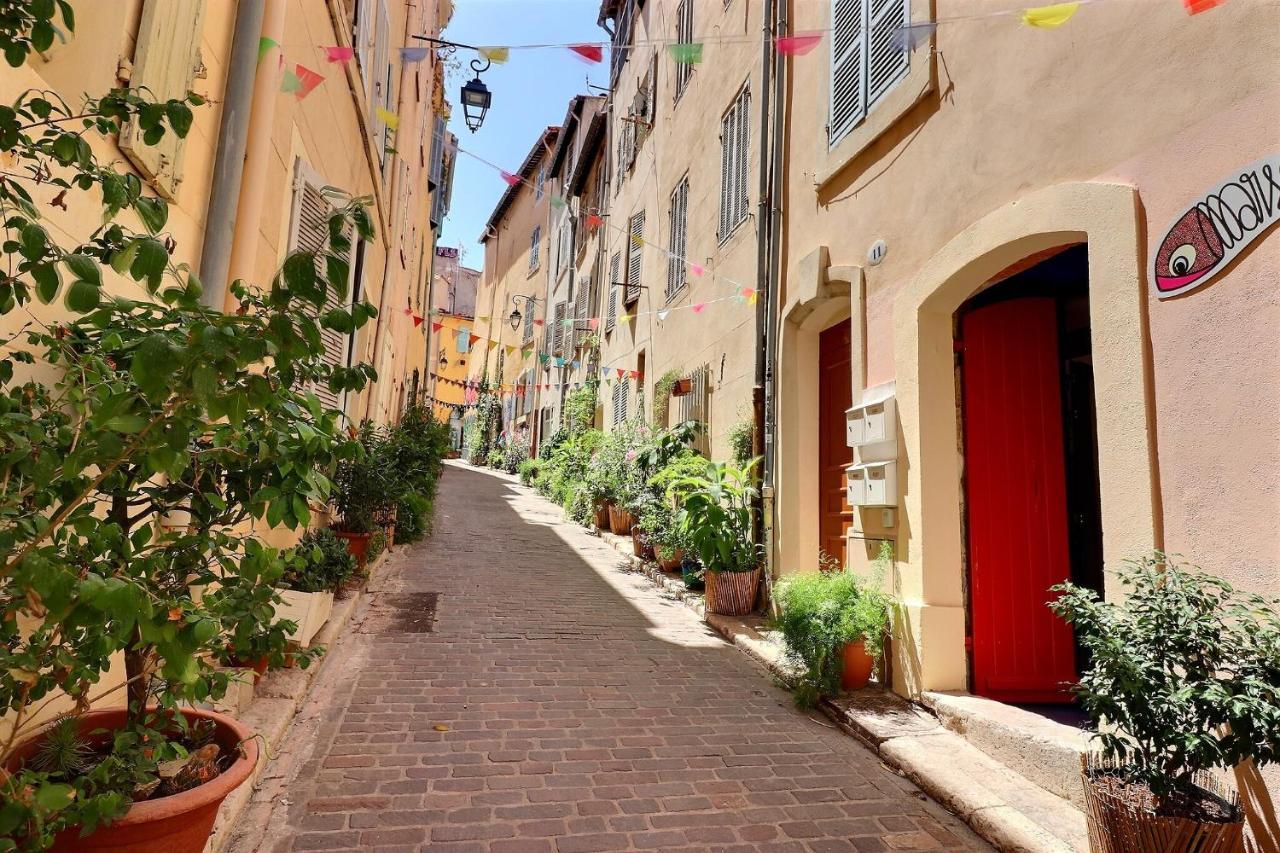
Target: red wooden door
1016,501
835,394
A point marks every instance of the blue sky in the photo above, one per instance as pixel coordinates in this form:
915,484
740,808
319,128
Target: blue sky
530,92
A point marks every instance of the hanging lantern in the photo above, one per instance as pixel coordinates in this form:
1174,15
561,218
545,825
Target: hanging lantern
476,98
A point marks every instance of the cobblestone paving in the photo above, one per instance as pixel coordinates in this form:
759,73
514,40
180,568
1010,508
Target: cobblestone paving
556,703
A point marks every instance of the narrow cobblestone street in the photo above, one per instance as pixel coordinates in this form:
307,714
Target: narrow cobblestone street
506,687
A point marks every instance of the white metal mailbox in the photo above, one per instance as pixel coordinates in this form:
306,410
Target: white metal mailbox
872,484
855,485
874,419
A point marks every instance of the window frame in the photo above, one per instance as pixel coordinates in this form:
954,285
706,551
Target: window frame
535,249
678,239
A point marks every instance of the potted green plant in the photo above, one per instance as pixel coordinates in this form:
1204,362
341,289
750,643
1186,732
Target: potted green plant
366,491
660,516
317,567
1183,679
833,623
140,438
420,443
716,519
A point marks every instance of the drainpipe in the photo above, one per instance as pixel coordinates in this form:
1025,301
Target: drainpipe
257,150
764,218
228,168
774,279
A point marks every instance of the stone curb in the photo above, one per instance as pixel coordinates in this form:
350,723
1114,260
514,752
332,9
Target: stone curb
277,699
1005,809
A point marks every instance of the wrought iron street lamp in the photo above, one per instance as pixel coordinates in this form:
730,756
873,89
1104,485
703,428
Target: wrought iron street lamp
476,98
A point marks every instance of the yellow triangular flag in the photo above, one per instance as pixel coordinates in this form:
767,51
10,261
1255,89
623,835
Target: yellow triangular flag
387,117
1049,17
494,54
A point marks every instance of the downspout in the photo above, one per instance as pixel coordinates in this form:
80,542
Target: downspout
761,442
228,168
257,149
774,280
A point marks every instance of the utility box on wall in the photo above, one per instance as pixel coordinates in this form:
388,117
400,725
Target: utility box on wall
872,432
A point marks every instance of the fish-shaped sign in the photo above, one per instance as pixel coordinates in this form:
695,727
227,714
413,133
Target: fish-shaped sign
1211,233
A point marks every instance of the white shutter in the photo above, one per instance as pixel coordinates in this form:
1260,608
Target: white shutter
848,104
679,238
615,264
885,63
625,385
744,147
558,333
635,254
684,36
535,247
580,309
726,183
310,233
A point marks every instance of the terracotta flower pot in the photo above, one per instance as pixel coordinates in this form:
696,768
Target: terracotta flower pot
640,544
357,544
619,520
856,671
177,824
601,511
732,593
673,563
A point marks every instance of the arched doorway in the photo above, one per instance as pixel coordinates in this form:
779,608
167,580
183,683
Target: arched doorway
1031,497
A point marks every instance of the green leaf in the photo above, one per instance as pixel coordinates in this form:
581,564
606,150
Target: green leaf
127,424
83,296
84,267
47,281
179,117
122,260
338,271
204,380
154,213
153,364
34,241
54,798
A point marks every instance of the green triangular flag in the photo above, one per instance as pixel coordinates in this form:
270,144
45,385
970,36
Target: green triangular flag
687,53
265,44
291,82
556,202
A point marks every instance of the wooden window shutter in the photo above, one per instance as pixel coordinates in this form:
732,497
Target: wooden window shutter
684,35
165,61
310,233
676,261
558,334
635,254
535,247
743,152
848,104
625,387
615,265
580,308
885,63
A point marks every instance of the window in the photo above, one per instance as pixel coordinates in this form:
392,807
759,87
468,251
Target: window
310,233
615,265
735,133
863,69
383,94
635,254
581,324
684,35
527,335
535,248
626,148
540,183
679,246
557,347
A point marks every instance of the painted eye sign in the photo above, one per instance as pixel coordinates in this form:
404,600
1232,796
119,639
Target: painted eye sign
1209,235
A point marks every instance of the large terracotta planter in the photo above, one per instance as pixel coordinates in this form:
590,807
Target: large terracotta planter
177,824
357,544
732,593
1119,825
857,665
601,511
672,564
620,520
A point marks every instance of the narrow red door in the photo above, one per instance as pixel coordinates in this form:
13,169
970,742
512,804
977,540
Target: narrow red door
1016,501
835,394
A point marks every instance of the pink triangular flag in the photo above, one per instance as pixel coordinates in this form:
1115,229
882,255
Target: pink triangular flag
307,80
594,323
589,52
511,179
798,44
697,309
537,322
696,269
1195,7
621,372
408,312
338,53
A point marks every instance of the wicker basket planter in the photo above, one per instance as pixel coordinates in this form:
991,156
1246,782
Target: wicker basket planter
1117,824
620,520
732,593
601,513
641,545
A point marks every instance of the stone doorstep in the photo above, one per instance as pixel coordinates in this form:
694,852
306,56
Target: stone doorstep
952,756
277,698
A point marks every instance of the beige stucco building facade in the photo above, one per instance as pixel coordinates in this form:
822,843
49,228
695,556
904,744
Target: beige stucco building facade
1000,165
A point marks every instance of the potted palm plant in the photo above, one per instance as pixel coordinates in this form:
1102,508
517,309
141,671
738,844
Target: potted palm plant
716,519
833,623
1181,682
142,436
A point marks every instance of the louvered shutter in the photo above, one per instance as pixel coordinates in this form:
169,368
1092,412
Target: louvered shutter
679,238
625,388
615,264
726,183
558,334
742,152
848,104
311,234
684,35
164,62
580,308
635,254
535,247
527,336
885,63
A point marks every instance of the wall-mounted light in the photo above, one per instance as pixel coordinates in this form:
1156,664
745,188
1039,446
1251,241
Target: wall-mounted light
476,97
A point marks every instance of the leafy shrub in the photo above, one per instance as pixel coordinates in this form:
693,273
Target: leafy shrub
742,442
319,562
529,469
717,517
413,517
377,544
368,486
1184,672
580,408
822,611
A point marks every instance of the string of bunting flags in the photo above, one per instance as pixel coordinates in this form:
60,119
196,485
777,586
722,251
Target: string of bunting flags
471,388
